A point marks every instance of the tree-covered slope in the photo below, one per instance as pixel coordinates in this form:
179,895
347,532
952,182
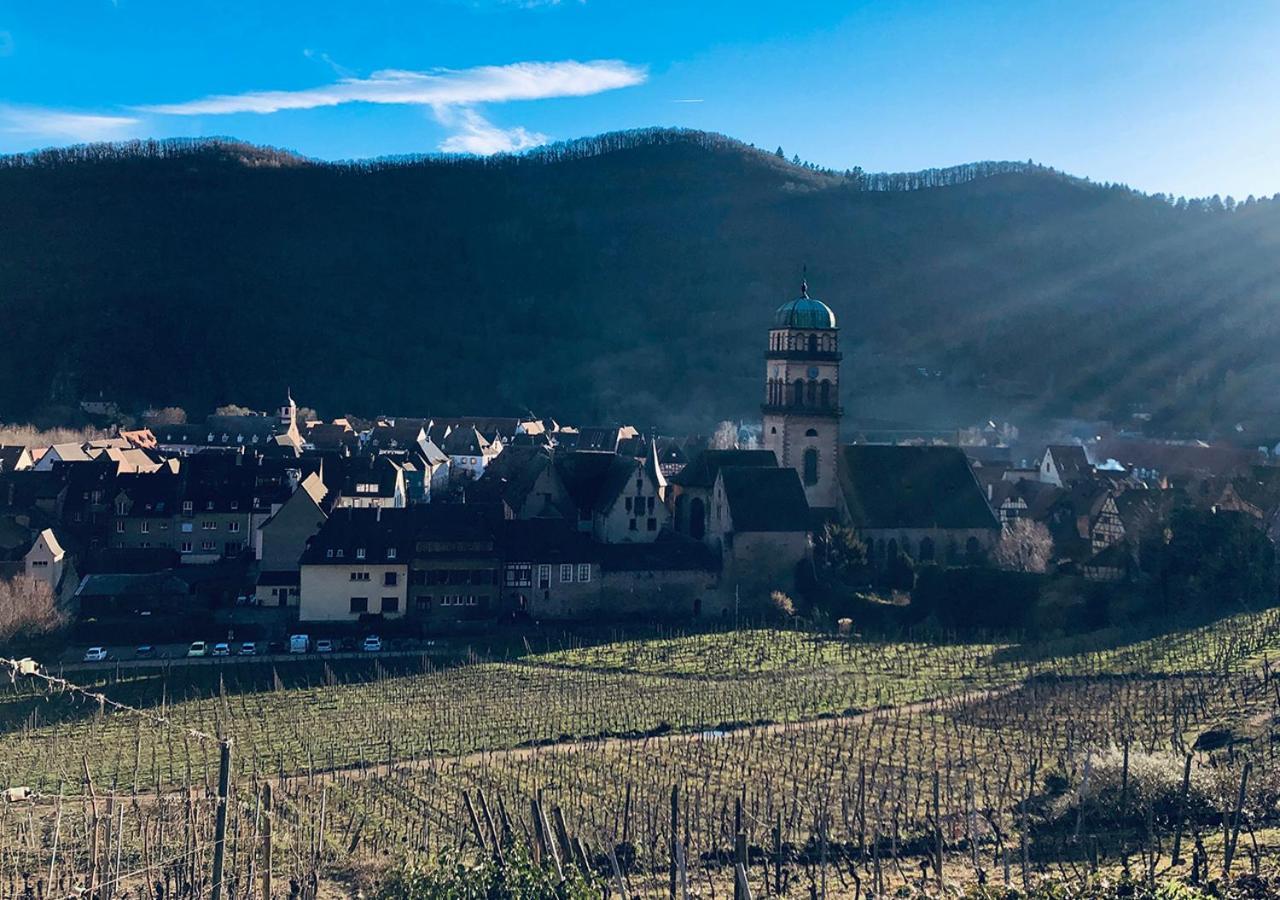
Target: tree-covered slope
632,277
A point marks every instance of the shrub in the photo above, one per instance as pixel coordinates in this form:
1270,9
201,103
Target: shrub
454,878
1155,783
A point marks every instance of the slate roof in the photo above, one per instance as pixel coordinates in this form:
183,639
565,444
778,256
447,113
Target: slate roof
545,542
511,475
911,487
466,441
703,468
765,499
1071,461
9,457
670,553
348,530
151,584
594,479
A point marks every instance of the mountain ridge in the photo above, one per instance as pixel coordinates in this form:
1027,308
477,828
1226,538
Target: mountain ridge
634,282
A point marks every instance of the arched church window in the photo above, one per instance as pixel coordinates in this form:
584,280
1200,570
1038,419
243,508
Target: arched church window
813,392
812,432
797,396
811,466
972,550
824,394
813,343
697,519
927,551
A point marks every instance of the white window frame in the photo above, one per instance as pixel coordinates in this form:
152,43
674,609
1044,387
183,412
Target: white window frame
584,572
566,573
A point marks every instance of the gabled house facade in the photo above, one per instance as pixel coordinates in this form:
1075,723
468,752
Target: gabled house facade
356,566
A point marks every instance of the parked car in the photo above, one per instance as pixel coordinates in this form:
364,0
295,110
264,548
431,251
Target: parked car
221,649
372,644
275,647
95,654
198,648
346,645
145,651
248,648
324,645
299,643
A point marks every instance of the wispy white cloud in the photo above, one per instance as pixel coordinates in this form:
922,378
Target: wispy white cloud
476,134
452,95
321,56
60,125
689,100
440,87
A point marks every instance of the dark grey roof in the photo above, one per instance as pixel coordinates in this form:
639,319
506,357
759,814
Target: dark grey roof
1071,460
511,475
668,554
702,469
911,487
350,530
594,479
764,499
150,584
542,541
465,441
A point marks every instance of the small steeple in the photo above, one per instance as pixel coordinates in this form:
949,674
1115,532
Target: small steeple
804,282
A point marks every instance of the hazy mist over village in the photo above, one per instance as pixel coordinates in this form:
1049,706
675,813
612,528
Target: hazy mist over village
597,449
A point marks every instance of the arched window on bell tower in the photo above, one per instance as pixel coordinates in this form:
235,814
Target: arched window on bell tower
810,473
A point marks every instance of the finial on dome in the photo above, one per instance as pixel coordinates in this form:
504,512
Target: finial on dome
804,282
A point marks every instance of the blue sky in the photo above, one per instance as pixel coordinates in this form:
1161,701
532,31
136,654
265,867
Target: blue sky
1170,96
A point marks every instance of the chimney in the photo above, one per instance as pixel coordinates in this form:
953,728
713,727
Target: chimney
377,515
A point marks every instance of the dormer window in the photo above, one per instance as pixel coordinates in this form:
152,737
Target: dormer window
328,554
359,553
187,506
235,504
120,508
391,553
339,553
208,504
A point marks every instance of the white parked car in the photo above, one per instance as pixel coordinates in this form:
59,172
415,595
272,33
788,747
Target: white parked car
324,645
95,654
248,648
372,644
198,648
221,649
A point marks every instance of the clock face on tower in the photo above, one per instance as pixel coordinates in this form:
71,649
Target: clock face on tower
813,372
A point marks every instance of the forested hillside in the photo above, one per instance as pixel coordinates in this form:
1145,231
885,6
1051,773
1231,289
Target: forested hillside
630,276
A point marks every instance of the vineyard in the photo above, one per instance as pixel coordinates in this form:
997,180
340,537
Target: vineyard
761,761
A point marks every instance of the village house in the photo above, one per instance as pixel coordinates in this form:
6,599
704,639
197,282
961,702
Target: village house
455,564
760,521
364,482
280,540
469,452
550,570
689,491
356,566
1064,464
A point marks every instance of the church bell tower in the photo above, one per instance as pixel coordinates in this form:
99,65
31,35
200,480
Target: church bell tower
802,395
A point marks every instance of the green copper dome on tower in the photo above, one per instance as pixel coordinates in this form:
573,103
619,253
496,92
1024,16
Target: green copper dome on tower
804,312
